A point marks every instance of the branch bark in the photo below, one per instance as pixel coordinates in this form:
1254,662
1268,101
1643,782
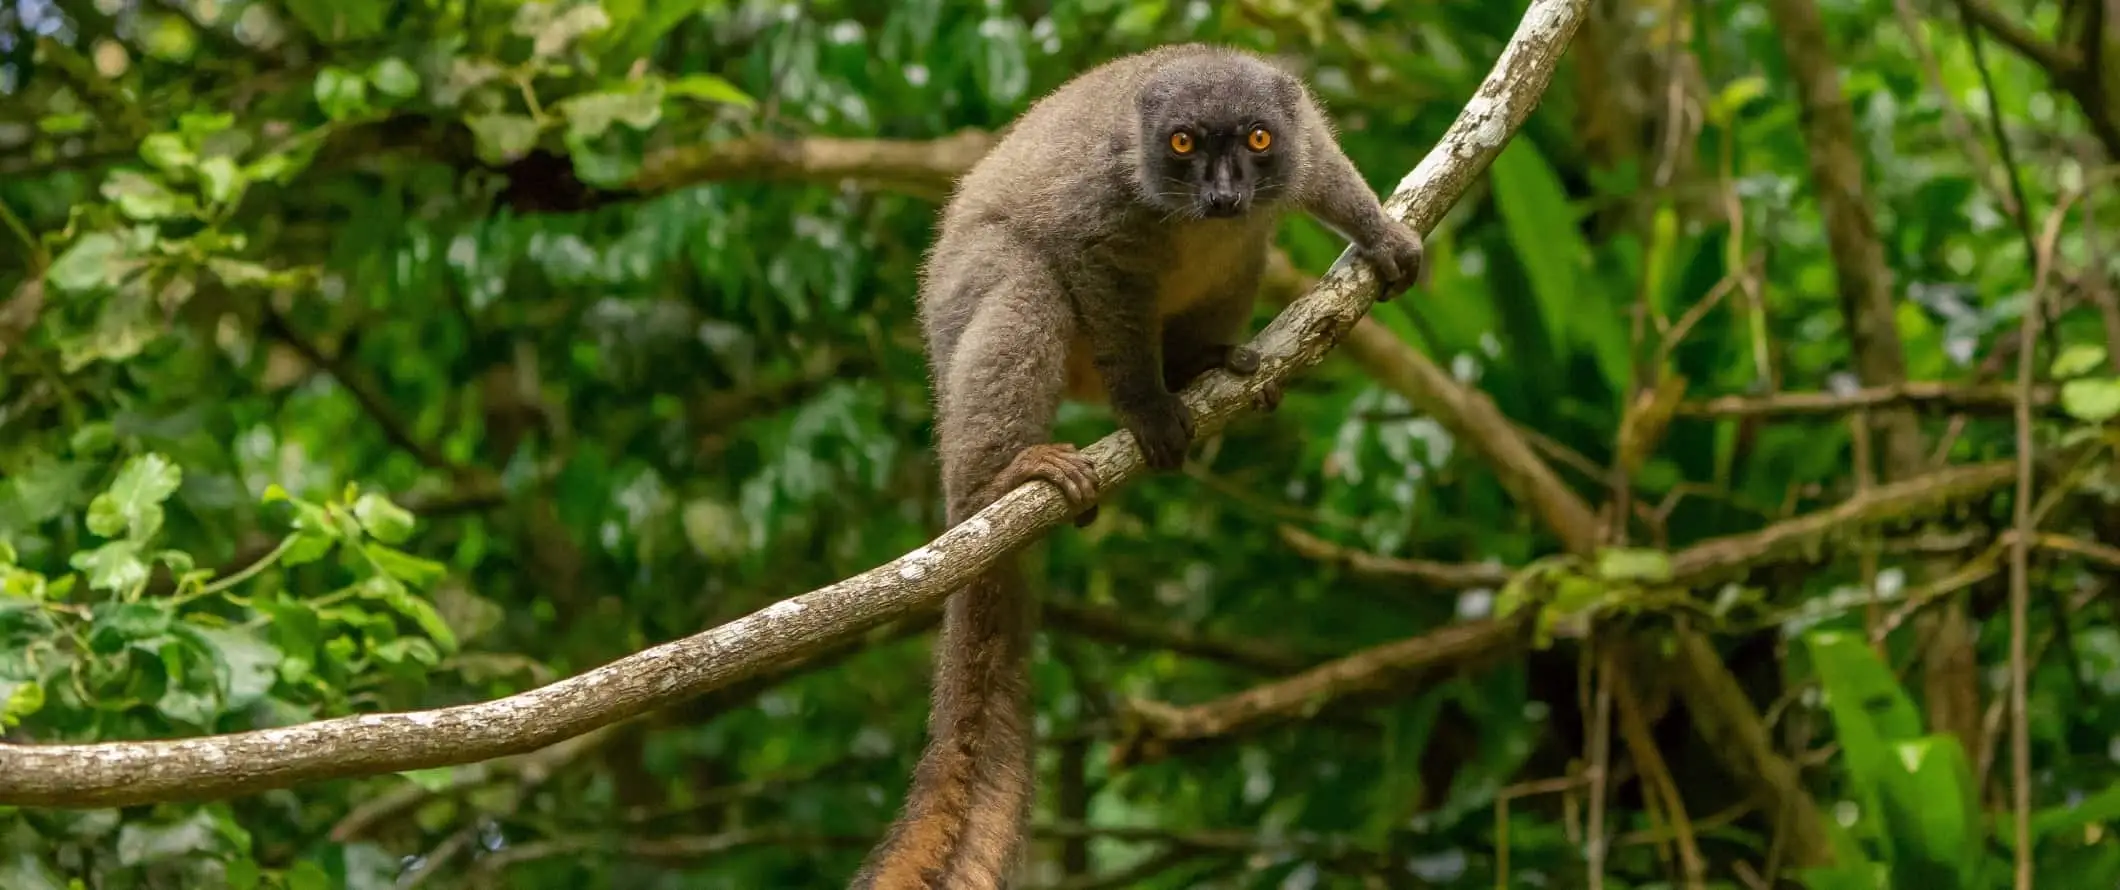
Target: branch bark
1156,730
130,773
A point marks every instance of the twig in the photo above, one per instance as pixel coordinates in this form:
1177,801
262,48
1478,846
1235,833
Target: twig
1991,398
2020,552
1436,576
1155,730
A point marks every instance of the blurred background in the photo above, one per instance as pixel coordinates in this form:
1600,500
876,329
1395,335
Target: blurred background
372,355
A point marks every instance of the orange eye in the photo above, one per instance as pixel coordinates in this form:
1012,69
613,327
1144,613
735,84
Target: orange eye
1260,140
1181,142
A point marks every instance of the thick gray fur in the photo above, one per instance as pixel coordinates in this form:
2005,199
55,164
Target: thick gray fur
1084,257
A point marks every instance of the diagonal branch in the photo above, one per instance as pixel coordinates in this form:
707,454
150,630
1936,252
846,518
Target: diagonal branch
130,773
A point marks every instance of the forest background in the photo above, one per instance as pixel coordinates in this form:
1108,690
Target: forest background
1697,525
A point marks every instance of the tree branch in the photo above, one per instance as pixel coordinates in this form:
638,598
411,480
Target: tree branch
1155,730
1441,576
1989,398
129,773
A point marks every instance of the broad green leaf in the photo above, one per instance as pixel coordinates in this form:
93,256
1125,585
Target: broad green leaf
551,34
2103,806
297,632
341,93
307,875
422,613
97,260
386,521
404,566
308,546
142,843
590,114
1871,713
709,88
19,699
392,77
133,503
2078,359
1929,808
243,663
502,138
113,626
220,180
2091,400
139,197
115,566
1542,228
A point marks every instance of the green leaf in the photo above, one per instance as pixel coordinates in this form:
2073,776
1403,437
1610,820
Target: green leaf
139,197
113,626
1932,814
423,614
384,520
590,114
2078,359
19,699
1541,223
307,875
404,566
134,500
2091,400
298,632
243,664
1634,564
341,93
551,35
502,138
96,261
141,843
220,179
309,546
2103,806
392,77
115,566
709,88
1871,713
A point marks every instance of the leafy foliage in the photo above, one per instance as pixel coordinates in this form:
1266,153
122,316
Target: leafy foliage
374,355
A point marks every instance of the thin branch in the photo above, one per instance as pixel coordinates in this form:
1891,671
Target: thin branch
2020,551
2059,63
1986,398
130,773
1156,730
923,168
1437,576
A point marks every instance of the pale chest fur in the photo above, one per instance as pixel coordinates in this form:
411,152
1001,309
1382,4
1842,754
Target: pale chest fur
1199,263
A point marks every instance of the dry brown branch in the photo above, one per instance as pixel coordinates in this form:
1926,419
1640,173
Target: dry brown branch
1991,398
128,773
1440,576
1722,558
924,168
1156,730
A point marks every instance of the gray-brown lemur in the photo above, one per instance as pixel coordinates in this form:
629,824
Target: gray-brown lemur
1110,246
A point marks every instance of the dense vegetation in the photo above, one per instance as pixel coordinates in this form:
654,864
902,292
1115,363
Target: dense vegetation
372,356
